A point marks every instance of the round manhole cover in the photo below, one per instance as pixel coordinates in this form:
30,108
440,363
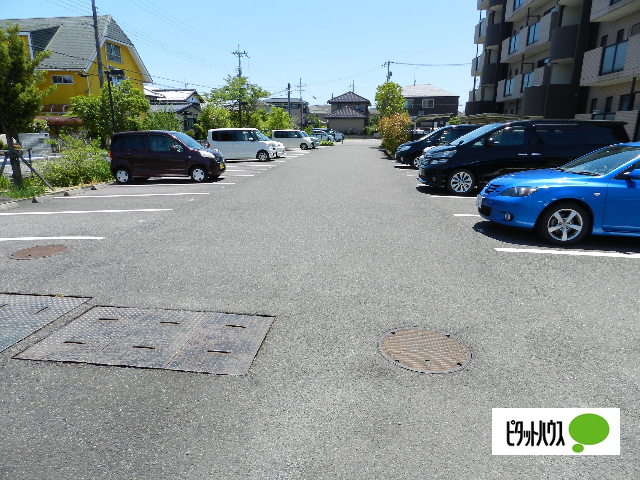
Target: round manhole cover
39,252
423,350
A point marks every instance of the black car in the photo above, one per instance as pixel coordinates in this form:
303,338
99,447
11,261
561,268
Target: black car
503,148
409,153
157,153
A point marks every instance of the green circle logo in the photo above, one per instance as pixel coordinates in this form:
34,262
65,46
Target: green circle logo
588,429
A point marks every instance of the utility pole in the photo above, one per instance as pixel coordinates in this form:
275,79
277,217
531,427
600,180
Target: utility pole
98,52
240,54
301,104
289,101
388,65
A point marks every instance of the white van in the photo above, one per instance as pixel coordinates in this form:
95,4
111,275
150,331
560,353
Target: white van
236,143
293,139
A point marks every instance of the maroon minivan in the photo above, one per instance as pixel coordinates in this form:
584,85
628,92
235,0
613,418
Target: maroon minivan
158,153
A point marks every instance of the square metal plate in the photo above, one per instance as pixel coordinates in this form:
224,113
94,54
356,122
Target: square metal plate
23,315
205,342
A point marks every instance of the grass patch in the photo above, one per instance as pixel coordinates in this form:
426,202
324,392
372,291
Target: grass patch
29,187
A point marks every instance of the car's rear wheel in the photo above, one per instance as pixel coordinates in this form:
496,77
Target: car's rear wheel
198,174
564,223
304,146
415,163
461,181
262,156
122,176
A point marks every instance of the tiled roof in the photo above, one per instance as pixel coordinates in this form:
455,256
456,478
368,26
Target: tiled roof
349,97
172,94
72,41
173,107
417,91
346,112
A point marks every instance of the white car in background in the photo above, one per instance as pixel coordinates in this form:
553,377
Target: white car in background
237,143
293,139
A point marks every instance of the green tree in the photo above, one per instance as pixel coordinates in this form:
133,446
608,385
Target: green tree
238,94
313,121
20,98
395,130
278,119
211,116
162,120
389,99
128,105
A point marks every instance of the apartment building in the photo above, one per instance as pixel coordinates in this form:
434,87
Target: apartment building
557,59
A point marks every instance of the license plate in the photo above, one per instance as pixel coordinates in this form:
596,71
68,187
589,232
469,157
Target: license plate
222,166
479,200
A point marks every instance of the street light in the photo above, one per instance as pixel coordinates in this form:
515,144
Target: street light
117,74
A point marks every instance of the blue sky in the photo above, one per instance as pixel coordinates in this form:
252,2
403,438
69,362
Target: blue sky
328,44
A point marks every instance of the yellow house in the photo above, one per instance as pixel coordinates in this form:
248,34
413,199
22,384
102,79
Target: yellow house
73,64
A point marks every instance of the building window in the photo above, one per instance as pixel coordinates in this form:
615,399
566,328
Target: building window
608,103
427,103
113,53
61,79
594,105
635,29
527,80
517,3
358,107
513,44
626,102
533,33
408,103
613,58
508,87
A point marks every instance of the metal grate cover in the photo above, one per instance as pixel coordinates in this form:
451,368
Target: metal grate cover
425,351
23,315
205,342
39,252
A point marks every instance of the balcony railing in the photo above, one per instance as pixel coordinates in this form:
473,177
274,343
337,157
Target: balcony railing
607,11
481,31
476,65
613,64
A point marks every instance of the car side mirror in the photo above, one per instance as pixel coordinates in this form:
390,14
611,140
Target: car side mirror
490,142
632,175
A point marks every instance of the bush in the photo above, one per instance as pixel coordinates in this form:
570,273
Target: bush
368,130
82,162
326,143
395,130
28,187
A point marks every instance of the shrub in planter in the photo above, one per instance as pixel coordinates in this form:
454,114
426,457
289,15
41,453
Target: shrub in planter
395,130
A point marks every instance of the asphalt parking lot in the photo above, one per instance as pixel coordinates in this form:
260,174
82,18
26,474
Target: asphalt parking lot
335,247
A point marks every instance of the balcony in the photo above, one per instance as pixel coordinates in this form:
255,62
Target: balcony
476,65
512,47
489,4
538,37
481,31
488,75
517,9
594,60
493,36
563,43
550,101
482,106
604,11
509,89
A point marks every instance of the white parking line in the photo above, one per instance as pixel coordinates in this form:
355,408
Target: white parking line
175,184
48,238
241,175
87,211
136,195
465,215
453,196
570,252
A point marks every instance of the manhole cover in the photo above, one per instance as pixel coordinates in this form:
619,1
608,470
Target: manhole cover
206,342
423,350
39,252
22,315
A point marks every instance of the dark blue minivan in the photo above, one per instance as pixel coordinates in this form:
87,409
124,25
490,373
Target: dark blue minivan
408,153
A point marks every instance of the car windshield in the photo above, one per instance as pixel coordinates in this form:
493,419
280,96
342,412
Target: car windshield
602,162
303,133
258,135
187,140
430,134
475,134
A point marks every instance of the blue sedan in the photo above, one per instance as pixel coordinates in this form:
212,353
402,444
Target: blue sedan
598,193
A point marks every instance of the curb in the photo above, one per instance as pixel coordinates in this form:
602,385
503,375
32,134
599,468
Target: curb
49,196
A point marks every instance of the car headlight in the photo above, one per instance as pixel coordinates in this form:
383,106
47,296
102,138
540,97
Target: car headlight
403,148
441,157
519,191
206,154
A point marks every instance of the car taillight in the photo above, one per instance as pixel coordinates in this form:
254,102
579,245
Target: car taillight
208,145
110,155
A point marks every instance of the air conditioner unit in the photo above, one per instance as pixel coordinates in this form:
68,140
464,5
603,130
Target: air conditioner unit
597,112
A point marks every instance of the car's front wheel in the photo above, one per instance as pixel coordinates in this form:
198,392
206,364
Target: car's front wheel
564,223
122,176
461,181
304,146
263,156
198,174
415,161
